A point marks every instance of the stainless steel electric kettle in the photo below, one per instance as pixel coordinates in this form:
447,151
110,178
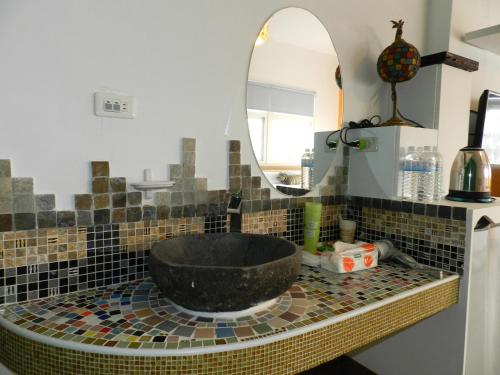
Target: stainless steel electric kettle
470,177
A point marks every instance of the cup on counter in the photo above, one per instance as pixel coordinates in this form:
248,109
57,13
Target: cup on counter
347,230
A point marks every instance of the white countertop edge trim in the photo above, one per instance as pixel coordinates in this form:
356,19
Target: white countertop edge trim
88,348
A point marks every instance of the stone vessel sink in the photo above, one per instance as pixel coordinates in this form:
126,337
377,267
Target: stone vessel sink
224,271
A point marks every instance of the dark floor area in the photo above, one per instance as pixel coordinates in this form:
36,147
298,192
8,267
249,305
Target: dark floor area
342,365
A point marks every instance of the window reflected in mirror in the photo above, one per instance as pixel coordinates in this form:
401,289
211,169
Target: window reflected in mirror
293,101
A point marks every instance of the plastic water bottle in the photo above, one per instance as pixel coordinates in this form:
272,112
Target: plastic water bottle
306,169
438,175
427,176
410,169
311,170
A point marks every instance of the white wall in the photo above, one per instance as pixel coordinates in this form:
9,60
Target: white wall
291,66
469,16
185,60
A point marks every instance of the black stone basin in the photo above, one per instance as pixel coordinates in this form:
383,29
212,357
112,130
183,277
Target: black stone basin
224,271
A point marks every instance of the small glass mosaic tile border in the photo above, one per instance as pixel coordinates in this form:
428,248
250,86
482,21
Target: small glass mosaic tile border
436,240
66,260
292,355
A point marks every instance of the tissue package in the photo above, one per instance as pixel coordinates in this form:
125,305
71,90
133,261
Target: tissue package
360,258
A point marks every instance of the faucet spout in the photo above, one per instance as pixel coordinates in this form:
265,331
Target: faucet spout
234,211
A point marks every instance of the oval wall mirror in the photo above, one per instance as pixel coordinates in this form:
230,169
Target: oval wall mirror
293,100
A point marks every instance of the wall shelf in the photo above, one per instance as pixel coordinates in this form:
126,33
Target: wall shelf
487,39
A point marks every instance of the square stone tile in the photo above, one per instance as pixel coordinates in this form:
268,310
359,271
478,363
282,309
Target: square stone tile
5,187
176,211
246,170
234,158
176,198
24,221
5,170
175,171
66,219
234,184
101,217
200,183
6,222
134,214
189,210
234,146
162,198
188,184
201,209
119,200
188,144
213,196
163,212
189,158
6,205
45,202
134,198
101,201
246,182
100,169
188,170
188,198
256,182
24,203
149,213
266,193
46,219
255,194
22,185
119,215
84,218
100,185
201,197
118,184
83,201
235,170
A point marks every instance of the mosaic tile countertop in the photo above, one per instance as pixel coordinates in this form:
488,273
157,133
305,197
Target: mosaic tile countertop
136,316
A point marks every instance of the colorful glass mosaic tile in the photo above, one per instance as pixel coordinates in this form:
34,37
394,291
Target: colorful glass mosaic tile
136,315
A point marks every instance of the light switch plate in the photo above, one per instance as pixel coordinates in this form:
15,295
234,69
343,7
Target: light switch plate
113,105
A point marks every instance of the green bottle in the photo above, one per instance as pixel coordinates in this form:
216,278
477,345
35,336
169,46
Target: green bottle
312,220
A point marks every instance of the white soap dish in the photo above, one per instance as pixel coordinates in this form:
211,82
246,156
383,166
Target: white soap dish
152,185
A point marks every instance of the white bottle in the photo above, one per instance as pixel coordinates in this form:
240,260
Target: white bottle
306,170
438,175
427,175
409,166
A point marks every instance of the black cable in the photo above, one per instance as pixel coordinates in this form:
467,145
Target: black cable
329,135
417,125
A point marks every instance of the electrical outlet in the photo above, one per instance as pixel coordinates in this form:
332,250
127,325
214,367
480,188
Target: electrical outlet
114,105
331,146
368,144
